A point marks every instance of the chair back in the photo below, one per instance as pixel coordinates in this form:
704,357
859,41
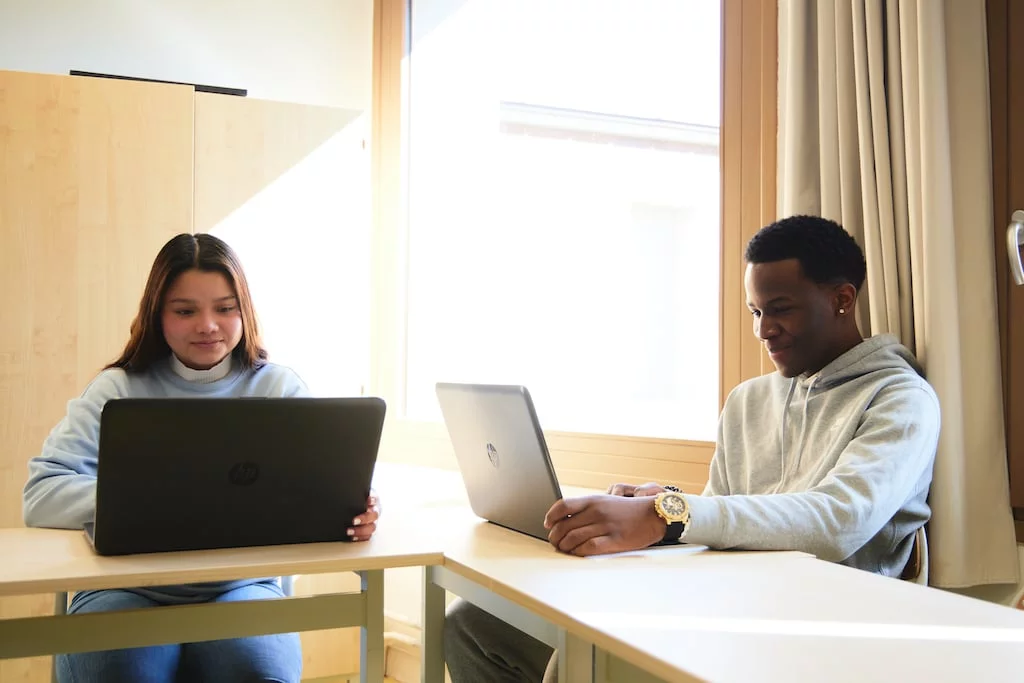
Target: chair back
917,566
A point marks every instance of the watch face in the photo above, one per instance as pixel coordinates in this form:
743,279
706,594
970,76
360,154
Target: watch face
674,506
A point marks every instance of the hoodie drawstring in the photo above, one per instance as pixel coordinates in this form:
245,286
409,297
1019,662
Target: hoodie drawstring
803,425
782,446
803,430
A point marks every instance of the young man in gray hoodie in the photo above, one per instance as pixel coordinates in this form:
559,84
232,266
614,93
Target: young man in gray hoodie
831,455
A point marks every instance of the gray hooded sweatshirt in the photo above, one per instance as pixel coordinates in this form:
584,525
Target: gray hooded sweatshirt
837,464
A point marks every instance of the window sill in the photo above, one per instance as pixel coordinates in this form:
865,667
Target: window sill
586,460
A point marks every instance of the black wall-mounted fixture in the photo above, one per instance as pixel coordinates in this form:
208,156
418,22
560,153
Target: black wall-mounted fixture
219,90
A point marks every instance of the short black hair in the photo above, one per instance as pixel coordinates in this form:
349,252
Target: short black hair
827,253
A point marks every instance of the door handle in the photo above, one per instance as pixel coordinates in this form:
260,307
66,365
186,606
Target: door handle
1014,241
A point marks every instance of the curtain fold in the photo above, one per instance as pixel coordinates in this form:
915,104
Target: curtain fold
884,127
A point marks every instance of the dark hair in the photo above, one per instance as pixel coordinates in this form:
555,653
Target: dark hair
827,253
184,252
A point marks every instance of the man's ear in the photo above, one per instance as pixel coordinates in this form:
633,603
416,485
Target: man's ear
844,297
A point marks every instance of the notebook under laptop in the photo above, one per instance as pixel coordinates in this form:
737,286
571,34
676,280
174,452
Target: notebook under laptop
502,454
194,474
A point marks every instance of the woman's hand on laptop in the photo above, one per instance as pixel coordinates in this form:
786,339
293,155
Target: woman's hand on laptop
365,524
599,524
634,490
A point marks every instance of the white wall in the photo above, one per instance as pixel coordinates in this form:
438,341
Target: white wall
307,51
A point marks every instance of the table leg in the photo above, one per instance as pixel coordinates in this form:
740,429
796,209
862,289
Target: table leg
371,635
575,659
610,669
432,670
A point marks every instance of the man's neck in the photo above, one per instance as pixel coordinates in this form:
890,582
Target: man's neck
848,341
841,346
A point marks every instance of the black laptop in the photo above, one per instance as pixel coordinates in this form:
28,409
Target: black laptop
197,474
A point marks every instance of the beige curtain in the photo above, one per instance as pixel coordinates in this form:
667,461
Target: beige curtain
884,127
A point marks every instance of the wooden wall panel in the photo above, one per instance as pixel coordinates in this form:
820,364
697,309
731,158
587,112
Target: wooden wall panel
1006,77
95,175
748,158
242,147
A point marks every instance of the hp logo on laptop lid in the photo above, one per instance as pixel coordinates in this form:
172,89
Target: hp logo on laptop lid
492,454
244,474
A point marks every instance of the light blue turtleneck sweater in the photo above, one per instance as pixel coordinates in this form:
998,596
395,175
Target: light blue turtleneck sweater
61,488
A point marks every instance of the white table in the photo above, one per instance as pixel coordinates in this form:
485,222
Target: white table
718,616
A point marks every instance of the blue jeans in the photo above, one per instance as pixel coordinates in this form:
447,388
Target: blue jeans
242,660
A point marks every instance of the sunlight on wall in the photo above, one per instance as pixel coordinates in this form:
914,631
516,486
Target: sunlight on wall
304,241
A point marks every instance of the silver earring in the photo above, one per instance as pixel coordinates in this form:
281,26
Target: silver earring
842,311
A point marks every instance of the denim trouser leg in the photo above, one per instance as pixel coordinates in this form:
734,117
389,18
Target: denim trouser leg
275,658
157,664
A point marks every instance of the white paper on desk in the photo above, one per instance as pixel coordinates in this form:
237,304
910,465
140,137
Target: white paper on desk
655,552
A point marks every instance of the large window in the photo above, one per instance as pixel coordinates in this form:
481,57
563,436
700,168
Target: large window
563,209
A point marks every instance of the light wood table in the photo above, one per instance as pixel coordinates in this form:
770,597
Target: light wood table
668,615
51,561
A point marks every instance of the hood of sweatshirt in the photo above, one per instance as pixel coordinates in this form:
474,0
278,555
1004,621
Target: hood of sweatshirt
849,449
879,353
883,352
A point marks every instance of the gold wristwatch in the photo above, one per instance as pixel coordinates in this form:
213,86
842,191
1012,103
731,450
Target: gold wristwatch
671,506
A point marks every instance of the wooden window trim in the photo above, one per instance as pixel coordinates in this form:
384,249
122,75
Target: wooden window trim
1002,16
748,152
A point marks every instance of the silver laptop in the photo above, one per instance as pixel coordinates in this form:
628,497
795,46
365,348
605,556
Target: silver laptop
502,454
